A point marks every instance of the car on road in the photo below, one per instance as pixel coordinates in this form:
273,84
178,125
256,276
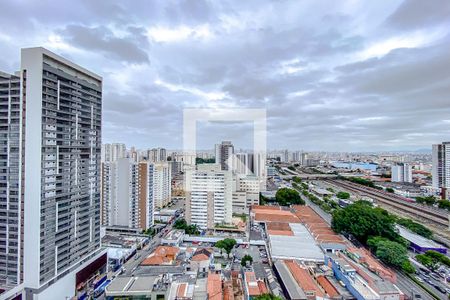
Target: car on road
419,279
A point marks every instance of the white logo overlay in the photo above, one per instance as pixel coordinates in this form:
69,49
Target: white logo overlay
259,118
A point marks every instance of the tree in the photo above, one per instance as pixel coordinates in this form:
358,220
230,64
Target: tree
390,190
426,261
438,257
392,253
408,267
245,259
227,245
429,200
180,224
188,229
296,179
192,229
267,297
415,227
287,196
362,220
343,195
444,204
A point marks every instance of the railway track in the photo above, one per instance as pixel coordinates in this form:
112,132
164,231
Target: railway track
436,216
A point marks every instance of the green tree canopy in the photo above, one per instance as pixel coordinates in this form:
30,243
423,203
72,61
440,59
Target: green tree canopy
444,204
343,195
245,259
267,297
188,229
426,261
226,244
287,196
362,220
415,227
429,200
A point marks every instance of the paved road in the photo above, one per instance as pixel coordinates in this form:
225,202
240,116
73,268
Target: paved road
133,263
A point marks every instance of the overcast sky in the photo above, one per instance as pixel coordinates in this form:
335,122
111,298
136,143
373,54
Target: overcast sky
333,75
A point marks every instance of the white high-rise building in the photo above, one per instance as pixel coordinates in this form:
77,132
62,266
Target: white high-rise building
441,166
160,187
208,195
131,191
157,155
401,173
58,188
112,152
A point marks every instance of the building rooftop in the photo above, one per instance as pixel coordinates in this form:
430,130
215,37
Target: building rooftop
417,239
303,278
300,245
293,289
163,255
131,285
277,214
214,287
254,287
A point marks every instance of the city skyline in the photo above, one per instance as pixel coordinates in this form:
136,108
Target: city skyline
353,83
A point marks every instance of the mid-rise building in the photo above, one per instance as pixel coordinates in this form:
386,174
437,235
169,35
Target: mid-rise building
401,173
52,202
208,195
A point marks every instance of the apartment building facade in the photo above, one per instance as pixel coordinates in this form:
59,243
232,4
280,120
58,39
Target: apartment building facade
208,195
52,177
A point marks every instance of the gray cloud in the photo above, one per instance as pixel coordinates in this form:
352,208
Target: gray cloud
102,39
341,80
417,14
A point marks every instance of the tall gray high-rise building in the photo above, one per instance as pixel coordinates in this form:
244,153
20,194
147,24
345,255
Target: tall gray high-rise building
11,201
52,175
224,155
441,167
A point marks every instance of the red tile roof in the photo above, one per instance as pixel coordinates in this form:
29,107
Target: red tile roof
327,286
303,278
214,287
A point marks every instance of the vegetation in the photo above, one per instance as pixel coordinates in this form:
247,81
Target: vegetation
188,229
330,189
291,168
428,200
362,181
362,220
296,179
199,160
245,259
150,232
343,195
432,259
267,297
444,204
390,190
227,245
287,196
415,227
391,252
242,216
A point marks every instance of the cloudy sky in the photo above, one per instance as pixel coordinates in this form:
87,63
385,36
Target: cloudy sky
332,75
